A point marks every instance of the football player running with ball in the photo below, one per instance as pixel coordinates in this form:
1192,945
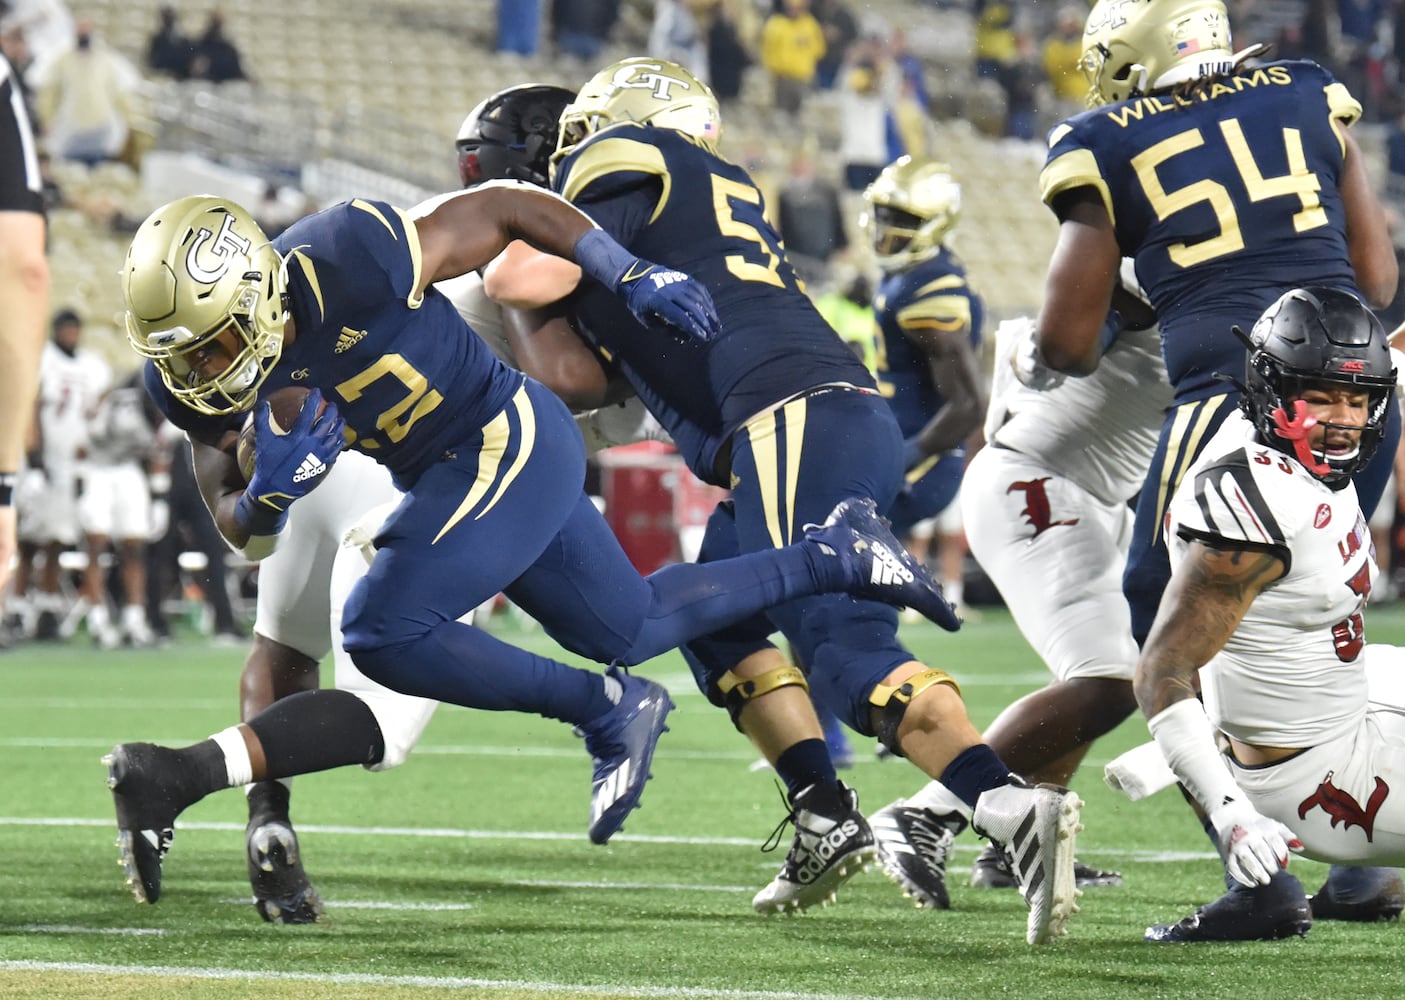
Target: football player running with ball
491,464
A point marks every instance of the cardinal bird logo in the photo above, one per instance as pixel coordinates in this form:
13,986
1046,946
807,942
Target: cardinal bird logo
1344,809
1036,506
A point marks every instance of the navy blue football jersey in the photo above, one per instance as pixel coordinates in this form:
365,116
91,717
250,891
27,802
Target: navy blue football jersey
408,375
670,200
931,295
1226,198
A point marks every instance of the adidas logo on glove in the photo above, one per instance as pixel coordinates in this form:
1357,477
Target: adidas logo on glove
312,467
661,278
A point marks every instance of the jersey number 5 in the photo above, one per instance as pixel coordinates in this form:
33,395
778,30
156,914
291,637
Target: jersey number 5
1298,181
723,191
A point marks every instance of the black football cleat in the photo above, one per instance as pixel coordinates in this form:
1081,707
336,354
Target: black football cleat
282,892
1262,913
148,793
1359,894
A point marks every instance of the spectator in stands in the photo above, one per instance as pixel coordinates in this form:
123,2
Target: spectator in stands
792,44
810,217
1020,79
215,57
677,36
519,26
995,38
85,102
727,54
48,29
841,29
1061,52
583,26
169,51
867,90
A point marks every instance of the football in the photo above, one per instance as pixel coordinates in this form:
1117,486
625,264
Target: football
284,406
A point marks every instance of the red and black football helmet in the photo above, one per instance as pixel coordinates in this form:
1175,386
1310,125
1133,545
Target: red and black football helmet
1316,336
512,135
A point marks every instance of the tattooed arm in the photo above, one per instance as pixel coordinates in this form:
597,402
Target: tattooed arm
1203,605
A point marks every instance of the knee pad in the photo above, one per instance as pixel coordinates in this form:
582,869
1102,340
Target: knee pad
737,691
893,703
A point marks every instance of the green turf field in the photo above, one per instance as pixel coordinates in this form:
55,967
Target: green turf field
467,871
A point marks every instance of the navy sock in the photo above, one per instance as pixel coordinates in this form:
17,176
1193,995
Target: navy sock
700,598
807,764
463,665
974,770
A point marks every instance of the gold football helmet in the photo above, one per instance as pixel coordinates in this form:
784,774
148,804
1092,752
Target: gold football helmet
200,269
909,210
648,92
1133,47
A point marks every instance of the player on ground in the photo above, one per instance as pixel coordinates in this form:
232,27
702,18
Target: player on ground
1228,183
1264,612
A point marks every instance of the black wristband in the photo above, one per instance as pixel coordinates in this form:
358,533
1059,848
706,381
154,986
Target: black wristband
8,482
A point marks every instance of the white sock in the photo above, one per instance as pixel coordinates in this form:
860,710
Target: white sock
939,799
239,769
954,590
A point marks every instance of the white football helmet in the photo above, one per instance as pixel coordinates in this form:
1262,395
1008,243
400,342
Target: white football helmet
200,267
1133,47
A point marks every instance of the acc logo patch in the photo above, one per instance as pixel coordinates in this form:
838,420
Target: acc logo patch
1323,517
227,243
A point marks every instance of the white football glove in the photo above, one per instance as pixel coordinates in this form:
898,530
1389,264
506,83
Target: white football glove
1254,846
1028,363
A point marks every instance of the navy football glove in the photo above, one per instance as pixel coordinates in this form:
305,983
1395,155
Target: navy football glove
653,293
288,466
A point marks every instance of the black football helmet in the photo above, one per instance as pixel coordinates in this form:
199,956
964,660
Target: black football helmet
512,135
1312,336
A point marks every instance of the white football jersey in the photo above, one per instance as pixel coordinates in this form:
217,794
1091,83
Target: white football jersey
1292,675
1099,430
69,390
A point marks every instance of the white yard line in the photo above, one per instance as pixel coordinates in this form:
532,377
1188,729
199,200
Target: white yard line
429,982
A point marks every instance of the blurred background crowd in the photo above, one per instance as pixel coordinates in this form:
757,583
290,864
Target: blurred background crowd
289,107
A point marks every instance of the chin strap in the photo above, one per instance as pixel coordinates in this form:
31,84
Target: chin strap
1296,431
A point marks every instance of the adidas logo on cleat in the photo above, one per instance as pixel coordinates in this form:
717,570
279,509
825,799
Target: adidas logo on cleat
834,842
888,568
610,790
311,468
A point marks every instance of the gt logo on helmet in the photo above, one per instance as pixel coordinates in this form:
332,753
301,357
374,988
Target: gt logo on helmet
629,78
227,245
